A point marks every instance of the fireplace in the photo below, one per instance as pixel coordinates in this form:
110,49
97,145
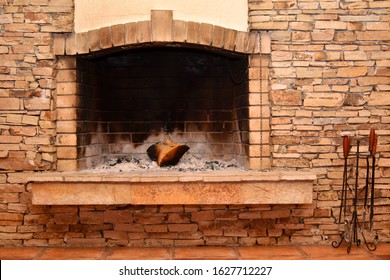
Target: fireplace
133,99
122,88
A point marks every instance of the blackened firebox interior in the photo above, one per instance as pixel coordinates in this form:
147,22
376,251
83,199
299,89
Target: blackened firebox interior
133,99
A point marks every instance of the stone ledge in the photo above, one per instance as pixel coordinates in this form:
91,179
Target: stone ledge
247,187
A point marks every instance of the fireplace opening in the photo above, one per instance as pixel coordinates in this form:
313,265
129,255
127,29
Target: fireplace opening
133,99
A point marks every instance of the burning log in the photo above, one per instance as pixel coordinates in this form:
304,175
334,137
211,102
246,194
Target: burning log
167,153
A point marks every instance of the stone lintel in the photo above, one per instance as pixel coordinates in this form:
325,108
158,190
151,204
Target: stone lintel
170,190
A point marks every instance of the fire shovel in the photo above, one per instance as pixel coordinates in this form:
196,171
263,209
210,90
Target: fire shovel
346,150
373,142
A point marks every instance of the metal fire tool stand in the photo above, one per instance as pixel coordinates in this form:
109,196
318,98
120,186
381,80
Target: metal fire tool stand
351,195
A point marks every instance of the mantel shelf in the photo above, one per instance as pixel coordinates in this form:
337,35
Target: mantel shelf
169,188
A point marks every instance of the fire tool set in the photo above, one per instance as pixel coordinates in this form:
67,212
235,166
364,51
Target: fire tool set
356,195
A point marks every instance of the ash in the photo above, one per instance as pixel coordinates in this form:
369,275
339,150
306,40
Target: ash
188,163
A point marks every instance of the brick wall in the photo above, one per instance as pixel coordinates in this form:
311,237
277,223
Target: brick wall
27,81
329,72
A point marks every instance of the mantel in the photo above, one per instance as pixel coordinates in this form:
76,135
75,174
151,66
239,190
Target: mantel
162,188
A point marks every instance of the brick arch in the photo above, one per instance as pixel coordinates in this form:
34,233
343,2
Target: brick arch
160,29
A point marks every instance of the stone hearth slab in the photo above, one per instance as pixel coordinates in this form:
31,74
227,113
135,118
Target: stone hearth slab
162,188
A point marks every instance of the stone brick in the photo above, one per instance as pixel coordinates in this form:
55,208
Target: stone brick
182,227
14,236
300,36
241,42
37,104
266,241
330,25
303,26
66,76
230,38
365,81
271,25
67,152
11,219
115,234
66,88
282,213
289,97
66,114
86,242
143,32
161,25
91,218
149,218
65,218
323,99
373,36
9,103
82,43
27,119
379,98
179,31
353,26
312,72
355,55
66,140
21,27
354,99
67,101
68,62
265,43
281,56
218,36
345,36
105,37
25,49
130,33
43,71
118,216
10,139
205,34
348,72
94,40
66,126
192,32
70,44
202,216
118,35
377,26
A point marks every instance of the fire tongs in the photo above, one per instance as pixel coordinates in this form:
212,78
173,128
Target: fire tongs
372,145
350,233
346,150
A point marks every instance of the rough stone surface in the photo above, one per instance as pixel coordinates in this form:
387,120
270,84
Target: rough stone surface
325,72
239,188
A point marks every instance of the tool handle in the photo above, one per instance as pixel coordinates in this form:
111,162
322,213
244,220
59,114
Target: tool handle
375,144
346,145
372,143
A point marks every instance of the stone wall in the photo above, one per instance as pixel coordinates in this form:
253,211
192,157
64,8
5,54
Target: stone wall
329,72
27,102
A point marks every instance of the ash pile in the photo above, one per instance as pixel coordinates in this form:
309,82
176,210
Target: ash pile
188,163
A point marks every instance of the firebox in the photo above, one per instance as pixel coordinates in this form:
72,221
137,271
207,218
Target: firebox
133,99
